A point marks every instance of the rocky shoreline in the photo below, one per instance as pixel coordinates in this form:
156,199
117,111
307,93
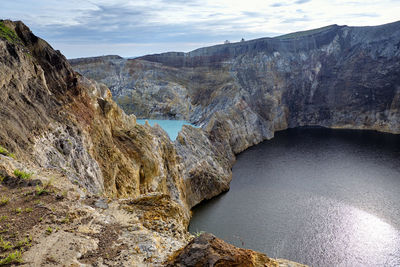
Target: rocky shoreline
112,192
81,183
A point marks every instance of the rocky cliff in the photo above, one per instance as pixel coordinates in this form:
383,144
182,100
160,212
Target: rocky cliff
80,181
336,76
241,93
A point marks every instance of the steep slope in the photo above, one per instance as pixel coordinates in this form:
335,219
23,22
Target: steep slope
71,123
80,181
336,76
241,93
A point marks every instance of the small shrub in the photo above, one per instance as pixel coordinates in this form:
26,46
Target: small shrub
49,230
4,201
5,245
197,234
14,257
24,243
9,34
4,151
22,174
40,190
28,210
3,218
66,219
18,210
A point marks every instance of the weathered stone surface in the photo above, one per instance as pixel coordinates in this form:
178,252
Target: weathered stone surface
56,118
142,93
85,154
204,168
67,127
241,93
207,250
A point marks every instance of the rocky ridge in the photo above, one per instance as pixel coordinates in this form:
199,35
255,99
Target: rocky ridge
81,182
241,93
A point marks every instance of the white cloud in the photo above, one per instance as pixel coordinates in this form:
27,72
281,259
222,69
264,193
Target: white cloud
111,22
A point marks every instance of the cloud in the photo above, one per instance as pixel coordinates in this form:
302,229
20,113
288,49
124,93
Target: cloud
368,15
302,1
162,25
294,20
278,4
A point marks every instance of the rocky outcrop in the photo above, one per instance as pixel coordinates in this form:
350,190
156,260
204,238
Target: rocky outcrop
138,92
95,187
60,123
204,167
207,250
70,123
241,93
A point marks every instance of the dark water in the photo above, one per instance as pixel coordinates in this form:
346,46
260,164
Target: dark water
316,196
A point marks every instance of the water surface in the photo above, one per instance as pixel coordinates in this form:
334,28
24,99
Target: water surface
317,196
172,127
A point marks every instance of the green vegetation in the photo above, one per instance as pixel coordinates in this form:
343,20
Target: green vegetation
24,243
3,218
14,257
28,210
4,201
22,174
41,190
197,234
5,152
18,210
49,230
5,245
66,219
9,34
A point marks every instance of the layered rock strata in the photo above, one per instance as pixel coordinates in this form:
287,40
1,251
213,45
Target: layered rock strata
241,93
80,181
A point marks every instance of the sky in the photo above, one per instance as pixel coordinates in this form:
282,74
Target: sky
83,28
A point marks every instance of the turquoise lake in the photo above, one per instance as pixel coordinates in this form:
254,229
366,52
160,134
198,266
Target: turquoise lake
172,127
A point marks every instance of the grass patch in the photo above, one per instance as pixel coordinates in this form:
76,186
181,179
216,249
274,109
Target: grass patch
41,190
3,218
12,258
5,152
49,230
5,245
28,210
24,243
22,174
18,210
9,34
197,234
4,201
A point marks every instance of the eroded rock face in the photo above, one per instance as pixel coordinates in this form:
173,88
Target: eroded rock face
66,131
337,76
141,92
207,250
204,168
56,118
241,93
